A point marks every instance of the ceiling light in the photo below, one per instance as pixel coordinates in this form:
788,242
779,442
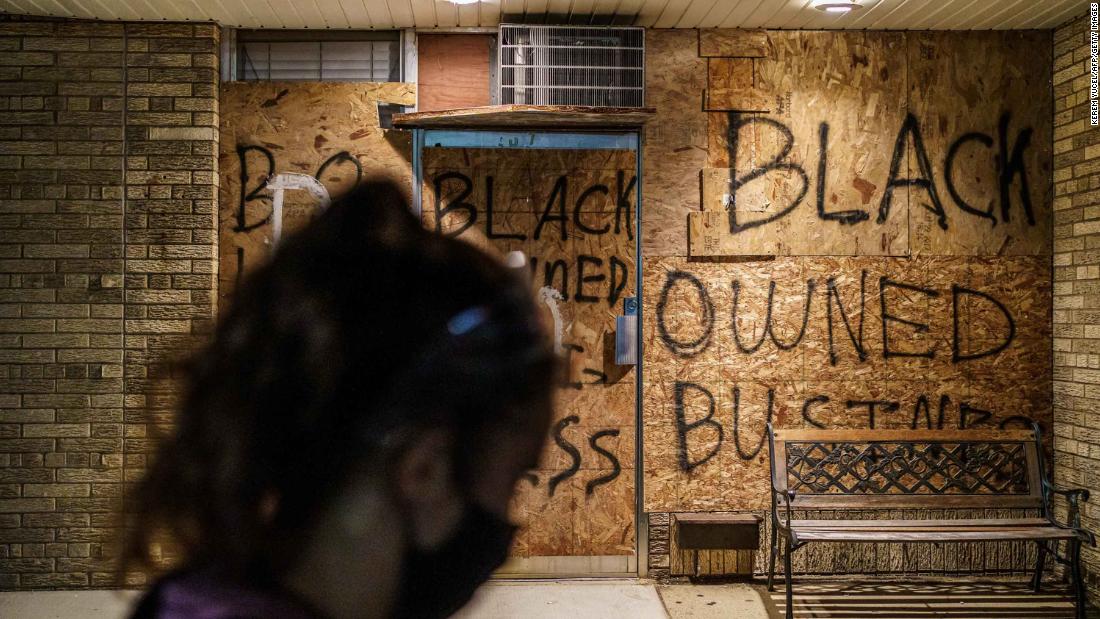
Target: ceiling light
464,1
836,6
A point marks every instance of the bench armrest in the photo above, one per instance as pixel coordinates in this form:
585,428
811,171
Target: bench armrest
787,497
1074,498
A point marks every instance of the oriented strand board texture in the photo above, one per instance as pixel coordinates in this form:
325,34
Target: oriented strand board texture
723,360
327,130
997,190
824,315
572,213
675,140
880,143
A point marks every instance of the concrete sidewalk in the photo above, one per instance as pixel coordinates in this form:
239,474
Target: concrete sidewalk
500,599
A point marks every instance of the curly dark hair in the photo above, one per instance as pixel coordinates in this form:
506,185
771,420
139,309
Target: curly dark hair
343,341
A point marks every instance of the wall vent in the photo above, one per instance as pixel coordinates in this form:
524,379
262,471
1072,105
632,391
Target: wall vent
571,65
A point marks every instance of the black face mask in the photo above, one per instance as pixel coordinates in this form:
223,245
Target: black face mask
436,583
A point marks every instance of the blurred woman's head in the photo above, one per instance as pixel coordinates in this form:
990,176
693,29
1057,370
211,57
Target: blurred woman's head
367,404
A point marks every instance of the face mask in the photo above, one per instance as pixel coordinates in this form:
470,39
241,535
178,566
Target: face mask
435,583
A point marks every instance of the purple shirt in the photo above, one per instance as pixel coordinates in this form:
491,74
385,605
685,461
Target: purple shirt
200,596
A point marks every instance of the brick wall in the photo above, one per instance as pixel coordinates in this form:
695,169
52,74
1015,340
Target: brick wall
1077,279
108,142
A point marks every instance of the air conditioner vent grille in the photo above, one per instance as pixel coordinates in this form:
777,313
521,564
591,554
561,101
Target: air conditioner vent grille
568,65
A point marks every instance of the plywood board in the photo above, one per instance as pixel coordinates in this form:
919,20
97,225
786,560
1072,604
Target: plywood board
676,147
327,130
986,127
926,342
735,100
572,213
452,71
736,43
807,178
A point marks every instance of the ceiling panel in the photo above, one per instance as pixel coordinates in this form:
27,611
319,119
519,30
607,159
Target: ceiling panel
875,14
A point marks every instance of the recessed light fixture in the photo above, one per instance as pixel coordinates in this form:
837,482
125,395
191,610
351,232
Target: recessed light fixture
836,6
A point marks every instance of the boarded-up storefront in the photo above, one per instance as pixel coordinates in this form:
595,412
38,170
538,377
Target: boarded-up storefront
843,230
871,249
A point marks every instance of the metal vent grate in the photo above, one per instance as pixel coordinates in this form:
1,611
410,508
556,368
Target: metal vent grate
567,65
320,56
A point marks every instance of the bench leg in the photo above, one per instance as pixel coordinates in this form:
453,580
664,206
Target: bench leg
1040,559
771,558
1075,572
787,577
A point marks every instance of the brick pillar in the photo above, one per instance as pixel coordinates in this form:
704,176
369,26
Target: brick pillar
171,216
61,158
1077,281
86,312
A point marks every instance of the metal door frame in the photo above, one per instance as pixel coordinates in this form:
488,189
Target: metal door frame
629,139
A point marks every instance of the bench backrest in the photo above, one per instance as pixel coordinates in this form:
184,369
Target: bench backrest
886,469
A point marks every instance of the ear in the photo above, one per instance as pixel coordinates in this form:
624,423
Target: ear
425,481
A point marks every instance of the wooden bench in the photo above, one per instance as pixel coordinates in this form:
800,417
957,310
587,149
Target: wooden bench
914,469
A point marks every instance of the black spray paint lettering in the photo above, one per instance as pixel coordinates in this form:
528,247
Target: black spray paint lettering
748,454
926,180
616,468
581,296
555,209
684,427
885,284
685,348
778,163
256,194
575,459
341,158
556,275
591,272
949,174
458,203
622,204
707,435
247,196
769,330
817,399
872,407
557,196
956,354
1009,162
489,232
578,222
833,294
848,217
922,406
567,447
1011,166
970,416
